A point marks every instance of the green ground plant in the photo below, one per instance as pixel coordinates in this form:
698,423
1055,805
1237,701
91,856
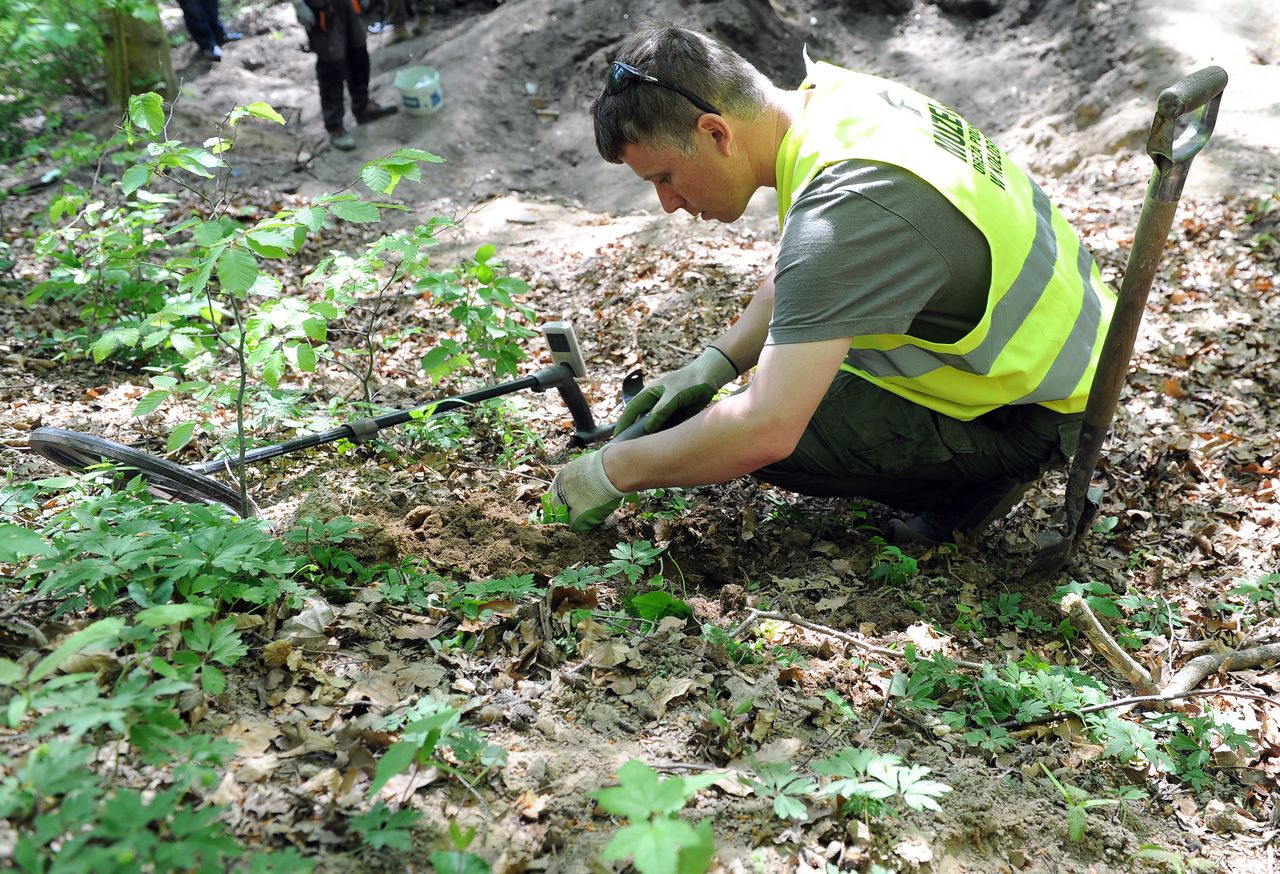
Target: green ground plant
190,299
870,784
784,787
655,838
1262,592
978,706
72,821
891,565
1079,803
458,860
434,736
382,828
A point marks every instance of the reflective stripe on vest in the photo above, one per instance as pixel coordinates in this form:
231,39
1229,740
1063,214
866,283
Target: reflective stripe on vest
1047,307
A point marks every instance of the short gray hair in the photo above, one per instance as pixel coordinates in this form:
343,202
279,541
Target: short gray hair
655,116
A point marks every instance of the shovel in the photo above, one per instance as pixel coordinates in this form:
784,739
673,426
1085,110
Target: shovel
1198,96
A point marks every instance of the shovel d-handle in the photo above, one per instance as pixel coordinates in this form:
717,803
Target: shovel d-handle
1198,96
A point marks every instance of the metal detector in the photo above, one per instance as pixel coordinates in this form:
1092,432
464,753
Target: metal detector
165,479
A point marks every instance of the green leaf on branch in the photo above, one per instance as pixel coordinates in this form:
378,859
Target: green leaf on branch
180,436
273,369
378,178
257,109
275,241
147,112
208,233
357,211
304,357
151,401
316,329
418,155
237,271
135,177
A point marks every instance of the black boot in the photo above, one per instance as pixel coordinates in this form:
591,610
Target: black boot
967,510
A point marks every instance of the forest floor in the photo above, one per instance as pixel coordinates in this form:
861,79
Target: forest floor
1187,540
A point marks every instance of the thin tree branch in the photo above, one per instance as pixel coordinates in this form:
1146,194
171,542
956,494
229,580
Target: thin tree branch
796,619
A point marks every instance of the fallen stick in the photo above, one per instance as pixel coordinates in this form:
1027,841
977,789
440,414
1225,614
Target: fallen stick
1194,671
1130,703
800,621
1078,610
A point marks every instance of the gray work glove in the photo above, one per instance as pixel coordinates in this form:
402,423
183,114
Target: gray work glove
306,15
584,487
690,388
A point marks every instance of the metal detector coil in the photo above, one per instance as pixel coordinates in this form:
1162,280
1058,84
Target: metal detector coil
172,482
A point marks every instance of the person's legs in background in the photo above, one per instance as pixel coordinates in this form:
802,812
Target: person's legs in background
220,33
203,26
342,59
357,62
330,45
400,11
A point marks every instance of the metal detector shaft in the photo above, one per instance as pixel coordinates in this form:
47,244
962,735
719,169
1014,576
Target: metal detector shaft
1200,93
557,376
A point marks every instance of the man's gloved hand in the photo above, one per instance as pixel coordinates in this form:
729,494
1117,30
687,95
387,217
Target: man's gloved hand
584,487
692,386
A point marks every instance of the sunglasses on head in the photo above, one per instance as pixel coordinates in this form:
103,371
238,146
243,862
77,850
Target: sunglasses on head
622,75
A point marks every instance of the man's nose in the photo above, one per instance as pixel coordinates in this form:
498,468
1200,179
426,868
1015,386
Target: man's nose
669,199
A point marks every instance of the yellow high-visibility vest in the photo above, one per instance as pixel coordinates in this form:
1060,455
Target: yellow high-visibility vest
1047,308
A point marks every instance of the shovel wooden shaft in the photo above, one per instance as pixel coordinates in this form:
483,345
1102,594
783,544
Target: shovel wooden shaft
1172,151
1117,349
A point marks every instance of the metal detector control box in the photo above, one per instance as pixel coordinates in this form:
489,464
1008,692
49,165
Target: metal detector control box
564,347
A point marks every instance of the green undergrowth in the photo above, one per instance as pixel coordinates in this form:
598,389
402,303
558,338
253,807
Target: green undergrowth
160,600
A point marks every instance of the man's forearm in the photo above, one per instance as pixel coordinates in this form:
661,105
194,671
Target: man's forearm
741,433
719,444
742,343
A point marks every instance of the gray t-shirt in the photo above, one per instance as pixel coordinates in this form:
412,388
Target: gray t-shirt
870,248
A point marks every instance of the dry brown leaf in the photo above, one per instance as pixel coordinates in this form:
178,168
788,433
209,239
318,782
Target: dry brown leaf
531,805
375,687
607,653
622,684
311,742
325,780
402,785
664,691
926,637
423,675
257,768
416,631
831,602
276,653
253,737
566,598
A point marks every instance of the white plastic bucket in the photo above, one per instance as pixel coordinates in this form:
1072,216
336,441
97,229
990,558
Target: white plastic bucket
419,90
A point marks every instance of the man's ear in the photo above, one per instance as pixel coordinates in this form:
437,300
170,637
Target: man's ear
719,129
